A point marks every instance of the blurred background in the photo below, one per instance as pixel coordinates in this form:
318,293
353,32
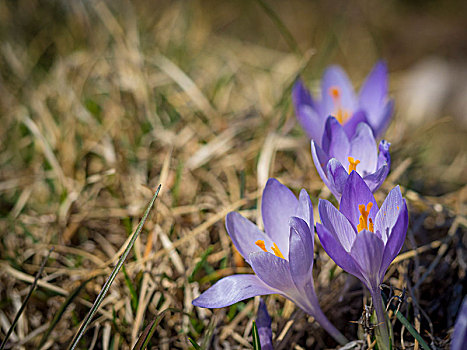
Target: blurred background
100,101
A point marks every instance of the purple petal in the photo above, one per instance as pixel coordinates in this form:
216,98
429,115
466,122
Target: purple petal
396,239
335,142
278,205
263,322
273,271
350,125
367,252
320,159
384,157
335,77
337,224
231,290
373,94
459,337
363,148
355,193
300,252
311,122
337,176
336,251
305,208
301,95
383,122
389,213
244,234
375,180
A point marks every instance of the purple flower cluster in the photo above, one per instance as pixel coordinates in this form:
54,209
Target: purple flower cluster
360,237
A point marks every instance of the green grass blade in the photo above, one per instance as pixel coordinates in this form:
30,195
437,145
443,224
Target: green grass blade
23,306
112,276
62,310
145,337
195,344
407,325
256,342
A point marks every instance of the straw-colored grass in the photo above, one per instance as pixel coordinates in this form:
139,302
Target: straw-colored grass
102,101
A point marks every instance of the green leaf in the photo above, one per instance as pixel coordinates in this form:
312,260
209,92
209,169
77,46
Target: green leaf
256,342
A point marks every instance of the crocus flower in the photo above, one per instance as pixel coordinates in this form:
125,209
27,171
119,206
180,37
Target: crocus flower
263,322
459,337
362,239
339,155
339,100
281,257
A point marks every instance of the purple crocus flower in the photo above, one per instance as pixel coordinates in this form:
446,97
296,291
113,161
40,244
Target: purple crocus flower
459,337
338,99
263,322
362,239
339,155
281,257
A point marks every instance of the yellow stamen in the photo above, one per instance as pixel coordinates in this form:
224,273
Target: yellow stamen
372,226
276,251
340,114
364,212
260,243
353,164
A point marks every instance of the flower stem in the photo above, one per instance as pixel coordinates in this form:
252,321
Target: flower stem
321,318
381,316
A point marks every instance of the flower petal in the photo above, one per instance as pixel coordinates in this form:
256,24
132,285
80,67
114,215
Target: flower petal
335,77
335,142
337,224
350,125
384,157
363,148
396,239
373,94
337,176
375,180
459,337
273,271
355,193
320,158
231,290
336,251
311,122
244,234
300,252
383,122
277,206
305,208
263,322
367,252
389,213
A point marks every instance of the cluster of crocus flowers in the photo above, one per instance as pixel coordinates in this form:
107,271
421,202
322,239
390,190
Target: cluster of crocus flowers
281,257
360,237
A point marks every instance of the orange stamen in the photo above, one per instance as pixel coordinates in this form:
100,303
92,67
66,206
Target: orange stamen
276,251
340,114
260,243
353,164
364,212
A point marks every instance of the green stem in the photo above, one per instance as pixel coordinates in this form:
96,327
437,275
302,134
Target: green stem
381,316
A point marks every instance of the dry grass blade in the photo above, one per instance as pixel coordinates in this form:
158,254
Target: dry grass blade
23,306
112,276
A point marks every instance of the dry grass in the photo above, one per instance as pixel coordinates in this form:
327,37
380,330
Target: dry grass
100,103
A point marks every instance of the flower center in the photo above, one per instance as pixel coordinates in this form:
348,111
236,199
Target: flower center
274,248
364,212
340,114
353,164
